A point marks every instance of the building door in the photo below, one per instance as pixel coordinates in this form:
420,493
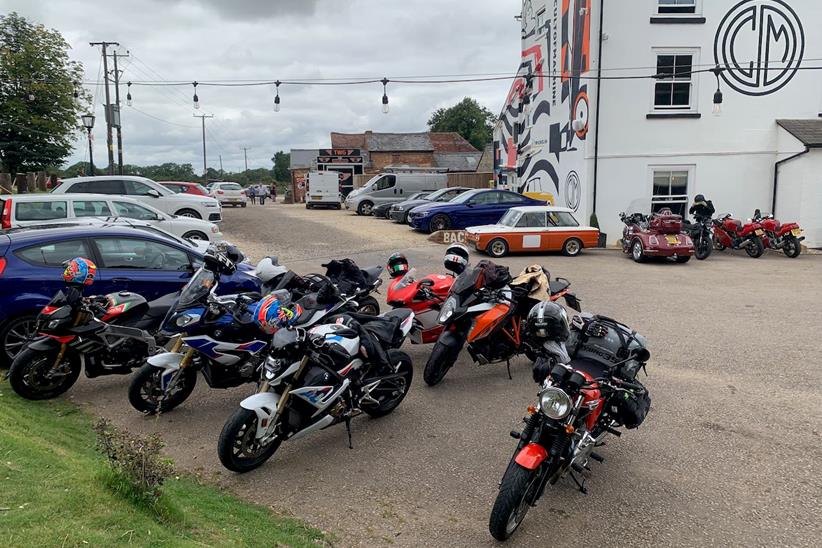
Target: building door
670,189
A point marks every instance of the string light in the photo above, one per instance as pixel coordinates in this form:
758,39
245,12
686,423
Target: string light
717,109
76,91
128,94
384,96
277,96
196,99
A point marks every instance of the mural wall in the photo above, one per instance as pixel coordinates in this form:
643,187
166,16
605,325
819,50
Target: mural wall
540,138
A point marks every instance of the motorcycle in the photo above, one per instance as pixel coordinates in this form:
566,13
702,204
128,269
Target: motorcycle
786,237
319,377
732,233
701,232
656,235
485,312
101,334
424,297
581,401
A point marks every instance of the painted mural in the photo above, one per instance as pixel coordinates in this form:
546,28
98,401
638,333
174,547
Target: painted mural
540,138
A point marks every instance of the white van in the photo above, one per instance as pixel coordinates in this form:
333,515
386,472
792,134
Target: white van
392,188
323,189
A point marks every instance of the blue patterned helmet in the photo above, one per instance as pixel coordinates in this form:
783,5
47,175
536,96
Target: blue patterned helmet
80,271
273,312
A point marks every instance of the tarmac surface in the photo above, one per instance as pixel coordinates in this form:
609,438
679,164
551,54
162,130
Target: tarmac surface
729,454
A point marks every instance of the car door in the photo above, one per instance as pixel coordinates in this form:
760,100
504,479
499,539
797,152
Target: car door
144,193
90,208
530,231
47,259
141,265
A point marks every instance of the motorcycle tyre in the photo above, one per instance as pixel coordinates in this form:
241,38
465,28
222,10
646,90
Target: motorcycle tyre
702,252
755,250
368,306
442,359
144,375
792,249
515,487
26,357
406,369
225,445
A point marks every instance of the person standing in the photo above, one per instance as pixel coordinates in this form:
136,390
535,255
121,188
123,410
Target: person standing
250,193
262,193
274,192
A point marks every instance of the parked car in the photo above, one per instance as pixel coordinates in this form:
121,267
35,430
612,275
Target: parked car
399,212
472,208
146,191
143,261
180,187
32,209
381,211
533,228
228,193
391,187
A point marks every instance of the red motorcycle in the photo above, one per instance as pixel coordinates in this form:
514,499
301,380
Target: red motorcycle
780,236
732,233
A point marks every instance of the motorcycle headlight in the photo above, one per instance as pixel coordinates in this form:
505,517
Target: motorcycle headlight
53,324
186,319
272,368
555,403
448,309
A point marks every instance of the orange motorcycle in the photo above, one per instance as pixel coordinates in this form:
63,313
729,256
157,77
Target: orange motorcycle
486,312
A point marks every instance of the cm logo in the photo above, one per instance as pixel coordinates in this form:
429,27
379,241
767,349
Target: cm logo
760,43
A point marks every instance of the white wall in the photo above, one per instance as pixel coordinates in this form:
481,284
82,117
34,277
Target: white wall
799,195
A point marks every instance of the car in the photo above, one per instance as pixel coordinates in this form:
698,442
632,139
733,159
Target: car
144,261
533,228
472,208
181,187
146,191
227,193
399,211
33,209
381,211
391,187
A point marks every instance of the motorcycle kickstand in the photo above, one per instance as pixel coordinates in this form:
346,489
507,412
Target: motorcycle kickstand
348,429
581,486
508,366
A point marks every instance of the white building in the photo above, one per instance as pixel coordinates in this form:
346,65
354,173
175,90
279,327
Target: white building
647,129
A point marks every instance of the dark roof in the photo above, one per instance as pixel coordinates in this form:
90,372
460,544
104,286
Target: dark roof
398,142
451,141
809,131
458,161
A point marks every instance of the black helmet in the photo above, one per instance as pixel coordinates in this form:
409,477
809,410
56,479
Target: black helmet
397,265
220,263
231,251
699,198
456,258
547,320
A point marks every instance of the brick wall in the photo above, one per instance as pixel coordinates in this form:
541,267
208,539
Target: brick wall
379,160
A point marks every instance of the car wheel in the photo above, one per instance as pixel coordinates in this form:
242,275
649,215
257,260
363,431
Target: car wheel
188,213
365,208
195,235
572,247
497,248
14,336
440,222
637,252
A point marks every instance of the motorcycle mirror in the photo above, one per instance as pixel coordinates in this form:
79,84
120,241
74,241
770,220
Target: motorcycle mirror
642,355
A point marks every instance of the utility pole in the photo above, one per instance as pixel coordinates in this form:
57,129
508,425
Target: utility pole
245,155
202,118
221,166
109,140
119,122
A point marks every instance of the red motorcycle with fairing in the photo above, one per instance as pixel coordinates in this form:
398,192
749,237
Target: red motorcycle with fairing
588,389
734,234
785,237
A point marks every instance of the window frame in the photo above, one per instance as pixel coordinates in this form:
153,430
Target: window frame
693,93
85,200
114,205
18,204
19,251
673,199
697,4
94,241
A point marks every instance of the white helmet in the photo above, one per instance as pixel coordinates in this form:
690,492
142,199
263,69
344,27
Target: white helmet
269,269
456,258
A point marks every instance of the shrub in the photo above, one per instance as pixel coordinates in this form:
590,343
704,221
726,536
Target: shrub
135,461
594,221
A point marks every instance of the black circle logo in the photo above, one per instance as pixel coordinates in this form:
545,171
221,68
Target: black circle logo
573,191
760,44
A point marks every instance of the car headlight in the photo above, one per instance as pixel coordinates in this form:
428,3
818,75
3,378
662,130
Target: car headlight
215,229
555,403
212,205
448,309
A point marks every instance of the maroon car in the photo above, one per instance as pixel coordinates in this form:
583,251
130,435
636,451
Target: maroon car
181,187
656,235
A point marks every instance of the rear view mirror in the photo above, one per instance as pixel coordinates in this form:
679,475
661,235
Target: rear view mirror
642,355
153,193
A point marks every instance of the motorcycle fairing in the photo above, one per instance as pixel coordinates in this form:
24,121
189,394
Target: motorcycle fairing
218,350
264,405
320,397
531,456
488,321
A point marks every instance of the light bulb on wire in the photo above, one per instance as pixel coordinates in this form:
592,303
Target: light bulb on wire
277,96
196,99
717,108
384,96
128,94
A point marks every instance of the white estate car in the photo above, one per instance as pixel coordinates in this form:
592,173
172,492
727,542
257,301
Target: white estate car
32,209
146,191
227,193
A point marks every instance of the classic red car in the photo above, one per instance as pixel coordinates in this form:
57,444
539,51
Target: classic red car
533,228
656,235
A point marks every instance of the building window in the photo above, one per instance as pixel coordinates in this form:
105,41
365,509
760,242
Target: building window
673,88
540,21
670,189
676,7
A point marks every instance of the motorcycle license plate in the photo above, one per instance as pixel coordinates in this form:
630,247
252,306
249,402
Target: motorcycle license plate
796,232
673,240
759,233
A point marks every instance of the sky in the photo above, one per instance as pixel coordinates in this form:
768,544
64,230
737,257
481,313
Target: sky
208,40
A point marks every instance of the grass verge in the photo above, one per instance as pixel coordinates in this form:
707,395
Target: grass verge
55,490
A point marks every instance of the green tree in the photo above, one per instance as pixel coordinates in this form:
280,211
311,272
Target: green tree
282,161
468,118
39,115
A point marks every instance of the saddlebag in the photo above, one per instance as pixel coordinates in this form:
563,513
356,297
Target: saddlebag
630,408
605,341
494,276
666,222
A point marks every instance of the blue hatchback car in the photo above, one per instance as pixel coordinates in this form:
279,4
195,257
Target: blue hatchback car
142,260
472,208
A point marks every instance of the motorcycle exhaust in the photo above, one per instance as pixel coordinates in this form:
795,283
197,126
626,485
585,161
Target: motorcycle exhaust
746,243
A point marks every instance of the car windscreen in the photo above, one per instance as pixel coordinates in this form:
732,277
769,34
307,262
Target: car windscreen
434,196
231,186
464,197
510,218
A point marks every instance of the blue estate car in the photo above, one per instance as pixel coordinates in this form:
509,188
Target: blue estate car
142,260
472,208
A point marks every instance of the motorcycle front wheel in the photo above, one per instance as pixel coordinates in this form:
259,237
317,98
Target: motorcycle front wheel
704,247
238,448
390,393
442,359
792,248
516,494
145,393
756,249
34,377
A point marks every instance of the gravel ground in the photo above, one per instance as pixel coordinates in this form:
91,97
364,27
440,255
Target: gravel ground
728,456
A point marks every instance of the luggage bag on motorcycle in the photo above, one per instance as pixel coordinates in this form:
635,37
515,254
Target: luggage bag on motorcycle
494,276
631,407
606,341
666,222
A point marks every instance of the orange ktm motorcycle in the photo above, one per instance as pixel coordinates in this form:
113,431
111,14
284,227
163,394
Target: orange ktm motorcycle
487,313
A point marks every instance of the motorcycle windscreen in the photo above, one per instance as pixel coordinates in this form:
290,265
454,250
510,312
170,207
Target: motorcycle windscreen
488,321
640,205
194,293
466,281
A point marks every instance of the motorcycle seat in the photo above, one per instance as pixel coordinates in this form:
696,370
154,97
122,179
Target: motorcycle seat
372,273
157,310
593,368
384,328
737,223
555,286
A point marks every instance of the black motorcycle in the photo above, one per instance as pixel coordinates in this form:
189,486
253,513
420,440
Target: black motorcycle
701,232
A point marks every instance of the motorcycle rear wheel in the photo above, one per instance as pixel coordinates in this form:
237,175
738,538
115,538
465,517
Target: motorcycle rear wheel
27,375
146,396
390,400
756,249
516,492
442,359
238,449
792,248
368,306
